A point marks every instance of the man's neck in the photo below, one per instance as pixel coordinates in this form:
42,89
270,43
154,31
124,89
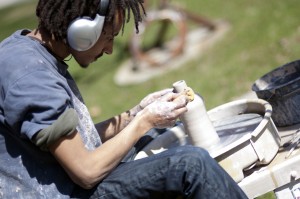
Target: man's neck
58,48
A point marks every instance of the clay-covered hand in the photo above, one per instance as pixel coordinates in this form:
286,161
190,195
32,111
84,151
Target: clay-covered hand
164,111
149,99
153,97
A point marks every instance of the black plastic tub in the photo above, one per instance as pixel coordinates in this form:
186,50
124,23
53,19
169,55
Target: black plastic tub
281,88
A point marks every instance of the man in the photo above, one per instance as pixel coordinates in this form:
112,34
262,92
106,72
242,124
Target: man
49,147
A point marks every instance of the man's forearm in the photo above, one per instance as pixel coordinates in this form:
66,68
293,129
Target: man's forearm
111,127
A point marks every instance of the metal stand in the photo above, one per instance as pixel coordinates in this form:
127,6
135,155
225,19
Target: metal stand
289,191
165,13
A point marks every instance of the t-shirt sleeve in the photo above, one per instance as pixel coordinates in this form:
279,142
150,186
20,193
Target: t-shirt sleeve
35,101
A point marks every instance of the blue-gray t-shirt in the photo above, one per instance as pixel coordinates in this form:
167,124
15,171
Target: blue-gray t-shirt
35,90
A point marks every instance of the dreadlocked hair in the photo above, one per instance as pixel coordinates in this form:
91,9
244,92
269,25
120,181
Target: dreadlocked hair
55,16
136,6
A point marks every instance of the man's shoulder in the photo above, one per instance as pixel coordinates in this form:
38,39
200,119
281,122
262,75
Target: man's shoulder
18,51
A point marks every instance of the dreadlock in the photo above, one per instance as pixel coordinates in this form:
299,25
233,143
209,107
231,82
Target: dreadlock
56,15
126,6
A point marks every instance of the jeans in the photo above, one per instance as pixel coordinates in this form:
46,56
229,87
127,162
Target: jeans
181,172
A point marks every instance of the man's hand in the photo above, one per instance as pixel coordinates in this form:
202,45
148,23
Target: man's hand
165,110
149,99
154,96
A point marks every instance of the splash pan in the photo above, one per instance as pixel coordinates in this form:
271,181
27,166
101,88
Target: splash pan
248,136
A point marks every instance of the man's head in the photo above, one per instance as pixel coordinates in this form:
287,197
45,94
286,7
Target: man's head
55,16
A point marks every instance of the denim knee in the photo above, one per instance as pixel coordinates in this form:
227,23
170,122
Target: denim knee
197,160
200,176
190,161
191,154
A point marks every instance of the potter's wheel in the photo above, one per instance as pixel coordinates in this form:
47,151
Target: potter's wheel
247,135
232,129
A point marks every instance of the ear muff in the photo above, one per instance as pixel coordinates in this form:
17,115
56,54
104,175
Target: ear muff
84,32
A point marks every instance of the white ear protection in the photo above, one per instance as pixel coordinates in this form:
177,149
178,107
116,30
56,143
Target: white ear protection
84,32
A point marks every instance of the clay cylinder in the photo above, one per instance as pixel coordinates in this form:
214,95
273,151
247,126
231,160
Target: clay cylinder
196,122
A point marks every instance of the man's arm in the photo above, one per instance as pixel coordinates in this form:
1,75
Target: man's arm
109,128
87,168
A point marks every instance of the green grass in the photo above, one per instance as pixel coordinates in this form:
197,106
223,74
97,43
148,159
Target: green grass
263,36
269,195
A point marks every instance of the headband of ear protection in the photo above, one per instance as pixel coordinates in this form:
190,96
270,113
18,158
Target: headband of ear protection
84,32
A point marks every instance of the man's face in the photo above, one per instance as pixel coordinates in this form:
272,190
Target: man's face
103,45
